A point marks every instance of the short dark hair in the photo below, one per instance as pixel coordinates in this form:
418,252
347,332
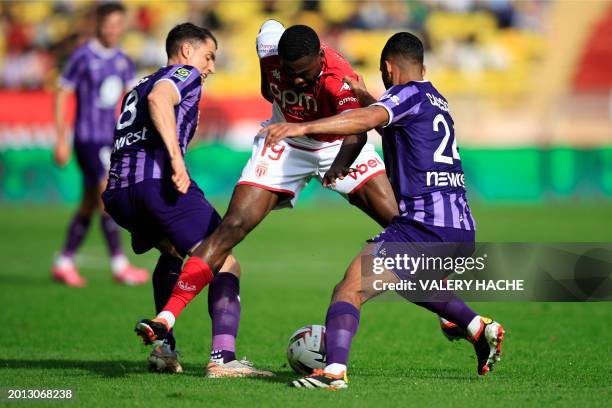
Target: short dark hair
186,32
404,45
106,9
298,41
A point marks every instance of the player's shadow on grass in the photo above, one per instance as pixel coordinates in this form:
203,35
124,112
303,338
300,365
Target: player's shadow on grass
107,369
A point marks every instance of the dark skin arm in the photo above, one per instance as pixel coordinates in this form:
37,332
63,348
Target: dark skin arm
359,89
265,87
350,149
349,123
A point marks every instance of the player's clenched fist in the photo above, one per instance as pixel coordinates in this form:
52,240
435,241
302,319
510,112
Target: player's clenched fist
180,177
279,131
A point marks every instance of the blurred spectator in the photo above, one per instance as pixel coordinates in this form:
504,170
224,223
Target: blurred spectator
39,35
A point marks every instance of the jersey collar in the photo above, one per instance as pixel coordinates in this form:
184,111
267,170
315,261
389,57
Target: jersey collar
100,50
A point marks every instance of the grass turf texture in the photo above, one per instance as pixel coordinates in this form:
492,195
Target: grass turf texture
56,337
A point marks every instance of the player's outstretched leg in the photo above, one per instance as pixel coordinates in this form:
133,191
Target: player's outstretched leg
248,206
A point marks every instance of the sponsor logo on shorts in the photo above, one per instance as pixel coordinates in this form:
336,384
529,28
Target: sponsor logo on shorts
182,74
261,170
363,168
186,286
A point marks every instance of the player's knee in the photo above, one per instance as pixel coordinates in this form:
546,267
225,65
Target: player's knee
89,204
168,250
346,291
233,225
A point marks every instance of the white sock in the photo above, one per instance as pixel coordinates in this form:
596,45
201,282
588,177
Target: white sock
473,327
167,316
335,369
118,263
63,261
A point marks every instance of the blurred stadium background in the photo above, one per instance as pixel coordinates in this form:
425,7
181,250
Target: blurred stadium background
529,83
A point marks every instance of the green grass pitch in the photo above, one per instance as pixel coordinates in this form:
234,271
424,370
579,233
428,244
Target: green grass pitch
56,337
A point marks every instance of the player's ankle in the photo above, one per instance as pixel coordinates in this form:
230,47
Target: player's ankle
64,261
222,356
335,369
474,328
118,263
166,318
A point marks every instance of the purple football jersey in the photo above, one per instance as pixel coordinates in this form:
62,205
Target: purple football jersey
422,157
98,76
139,152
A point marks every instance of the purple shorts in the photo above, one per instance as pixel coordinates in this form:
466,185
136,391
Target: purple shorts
94,161
406,237
153,210
406,230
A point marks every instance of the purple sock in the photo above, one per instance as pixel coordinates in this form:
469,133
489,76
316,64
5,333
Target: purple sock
165,276
111,233
76,232
340,326
454,310
224,310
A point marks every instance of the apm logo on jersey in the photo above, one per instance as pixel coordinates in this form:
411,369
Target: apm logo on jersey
182,74
288,99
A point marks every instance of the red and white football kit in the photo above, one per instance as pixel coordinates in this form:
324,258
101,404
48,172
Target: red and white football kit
290,165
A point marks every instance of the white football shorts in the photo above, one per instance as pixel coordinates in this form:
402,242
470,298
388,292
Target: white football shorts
290,165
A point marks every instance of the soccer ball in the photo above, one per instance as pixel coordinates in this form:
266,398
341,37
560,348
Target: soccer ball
306,350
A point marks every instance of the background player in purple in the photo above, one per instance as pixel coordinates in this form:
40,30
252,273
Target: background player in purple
423,163
97,73
150,192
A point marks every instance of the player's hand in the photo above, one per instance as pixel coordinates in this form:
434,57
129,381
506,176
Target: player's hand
279,131
330,177
358,86
61,153
180,177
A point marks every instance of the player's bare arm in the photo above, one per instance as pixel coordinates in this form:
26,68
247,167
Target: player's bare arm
349,123
61,154
351,147
162,100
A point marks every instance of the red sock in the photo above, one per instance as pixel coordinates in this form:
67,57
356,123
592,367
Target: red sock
196,274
